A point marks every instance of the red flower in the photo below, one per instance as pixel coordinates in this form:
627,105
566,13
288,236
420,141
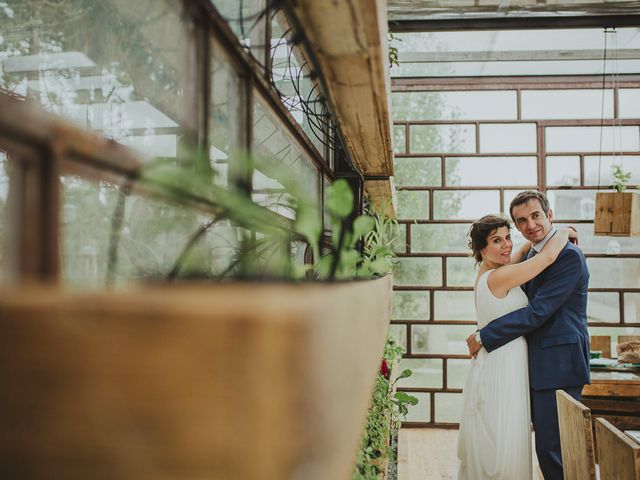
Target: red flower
384,369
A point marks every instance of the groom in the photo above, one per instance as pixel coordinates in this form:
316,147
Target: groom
554,324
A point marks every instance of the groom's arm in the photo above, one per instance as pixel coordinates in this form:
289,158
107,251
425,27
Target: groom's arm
560,282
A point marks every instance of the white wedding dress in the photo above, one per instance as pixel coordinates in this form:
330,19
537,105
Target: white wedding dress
495,430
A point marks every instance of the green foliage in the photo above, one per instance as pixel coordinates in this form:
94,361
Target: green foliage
359,247
393,51
620,178
385,414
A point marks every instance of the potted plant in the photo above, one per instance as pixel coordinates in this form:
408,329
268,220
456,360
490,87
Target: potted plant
617,214
232,377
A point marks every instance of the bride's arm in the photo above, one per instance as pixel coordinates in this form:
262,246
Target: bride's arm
503,279
521,253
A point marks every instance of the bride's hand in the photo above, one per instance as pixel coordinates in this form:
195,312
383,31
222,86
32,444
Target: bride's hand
573,235
474,347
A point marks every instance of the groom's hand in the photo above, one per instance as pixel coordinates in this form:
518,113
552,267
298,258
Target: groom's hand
474,345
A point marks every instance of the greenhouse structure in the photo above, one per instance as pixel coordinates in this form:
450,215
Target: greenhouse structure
237,239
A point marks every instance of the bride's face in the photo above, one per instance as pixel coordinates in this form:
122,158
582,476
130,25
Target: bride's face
499,246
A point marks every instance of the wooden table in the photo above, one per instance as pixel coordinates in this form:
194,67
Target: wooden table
614,395
607,383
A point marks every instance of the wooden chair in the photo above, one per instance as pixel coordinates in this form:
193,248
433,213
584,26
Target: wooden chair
602,343
628,338
576,438
618,455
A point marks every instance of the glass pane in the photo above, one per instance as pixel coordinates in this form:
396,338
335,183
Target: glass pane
629,103
464,204
603,307
109,66
417,171
422,411
629,163
509,68
613,272
566,104
298,92
427,373
439,238
448,407
399,334
440,339
399,139
4,221
418,271
572,204
505,52
399,244
484,105
589,243
588,139
442,138
413,205
226,125
457,372
152,238
455,306
632,307
273,142
508,138
410,305
243,18
563,170
491,171
461,272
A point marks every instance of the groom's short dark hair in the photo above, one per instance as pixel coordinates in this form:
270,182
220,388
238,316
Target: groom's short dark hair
524,197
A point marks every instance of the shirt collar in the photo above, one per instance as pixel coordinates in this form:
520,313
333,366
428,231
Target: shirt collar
539,246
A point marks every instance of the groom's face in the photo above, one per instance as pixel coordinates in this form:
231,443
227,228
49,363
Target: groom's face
531,220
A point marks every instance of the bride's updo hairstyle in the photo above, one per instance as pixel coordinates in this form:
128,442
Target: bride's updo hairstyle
480,231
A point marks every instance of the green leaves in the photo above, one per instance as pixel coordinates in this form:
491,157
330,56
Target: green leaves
387,408
340,199
620,178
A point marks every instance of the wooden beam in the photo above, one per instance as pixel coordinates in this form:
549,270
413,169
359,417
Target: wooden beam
514,56
415,9
349,40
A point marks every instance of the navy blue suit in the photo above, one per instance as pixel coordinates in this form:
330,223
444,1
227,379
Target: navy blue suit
555,325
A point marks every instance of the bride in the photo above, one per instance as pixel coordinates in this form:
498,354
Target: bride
495,432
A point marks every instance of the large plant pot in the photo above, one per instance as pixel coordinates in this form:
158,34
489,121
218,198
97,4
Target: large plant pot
239,381
617,214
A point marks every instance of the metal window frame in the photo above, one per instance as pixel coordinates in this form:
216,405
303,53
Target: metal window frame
488,84
40,160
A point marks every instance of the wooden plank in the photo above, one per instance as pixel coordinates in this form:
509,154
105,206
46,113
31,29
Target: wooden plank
612,389
576,438
624,405
617,214
602,343
618,455
237,381
352,51
382,193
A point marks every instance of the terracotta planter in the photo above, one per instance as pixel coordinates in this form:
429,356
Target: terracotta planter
238,381
617,214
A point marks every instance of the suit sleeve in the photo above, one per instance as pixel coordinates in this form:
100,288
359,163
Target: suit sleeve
560,282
